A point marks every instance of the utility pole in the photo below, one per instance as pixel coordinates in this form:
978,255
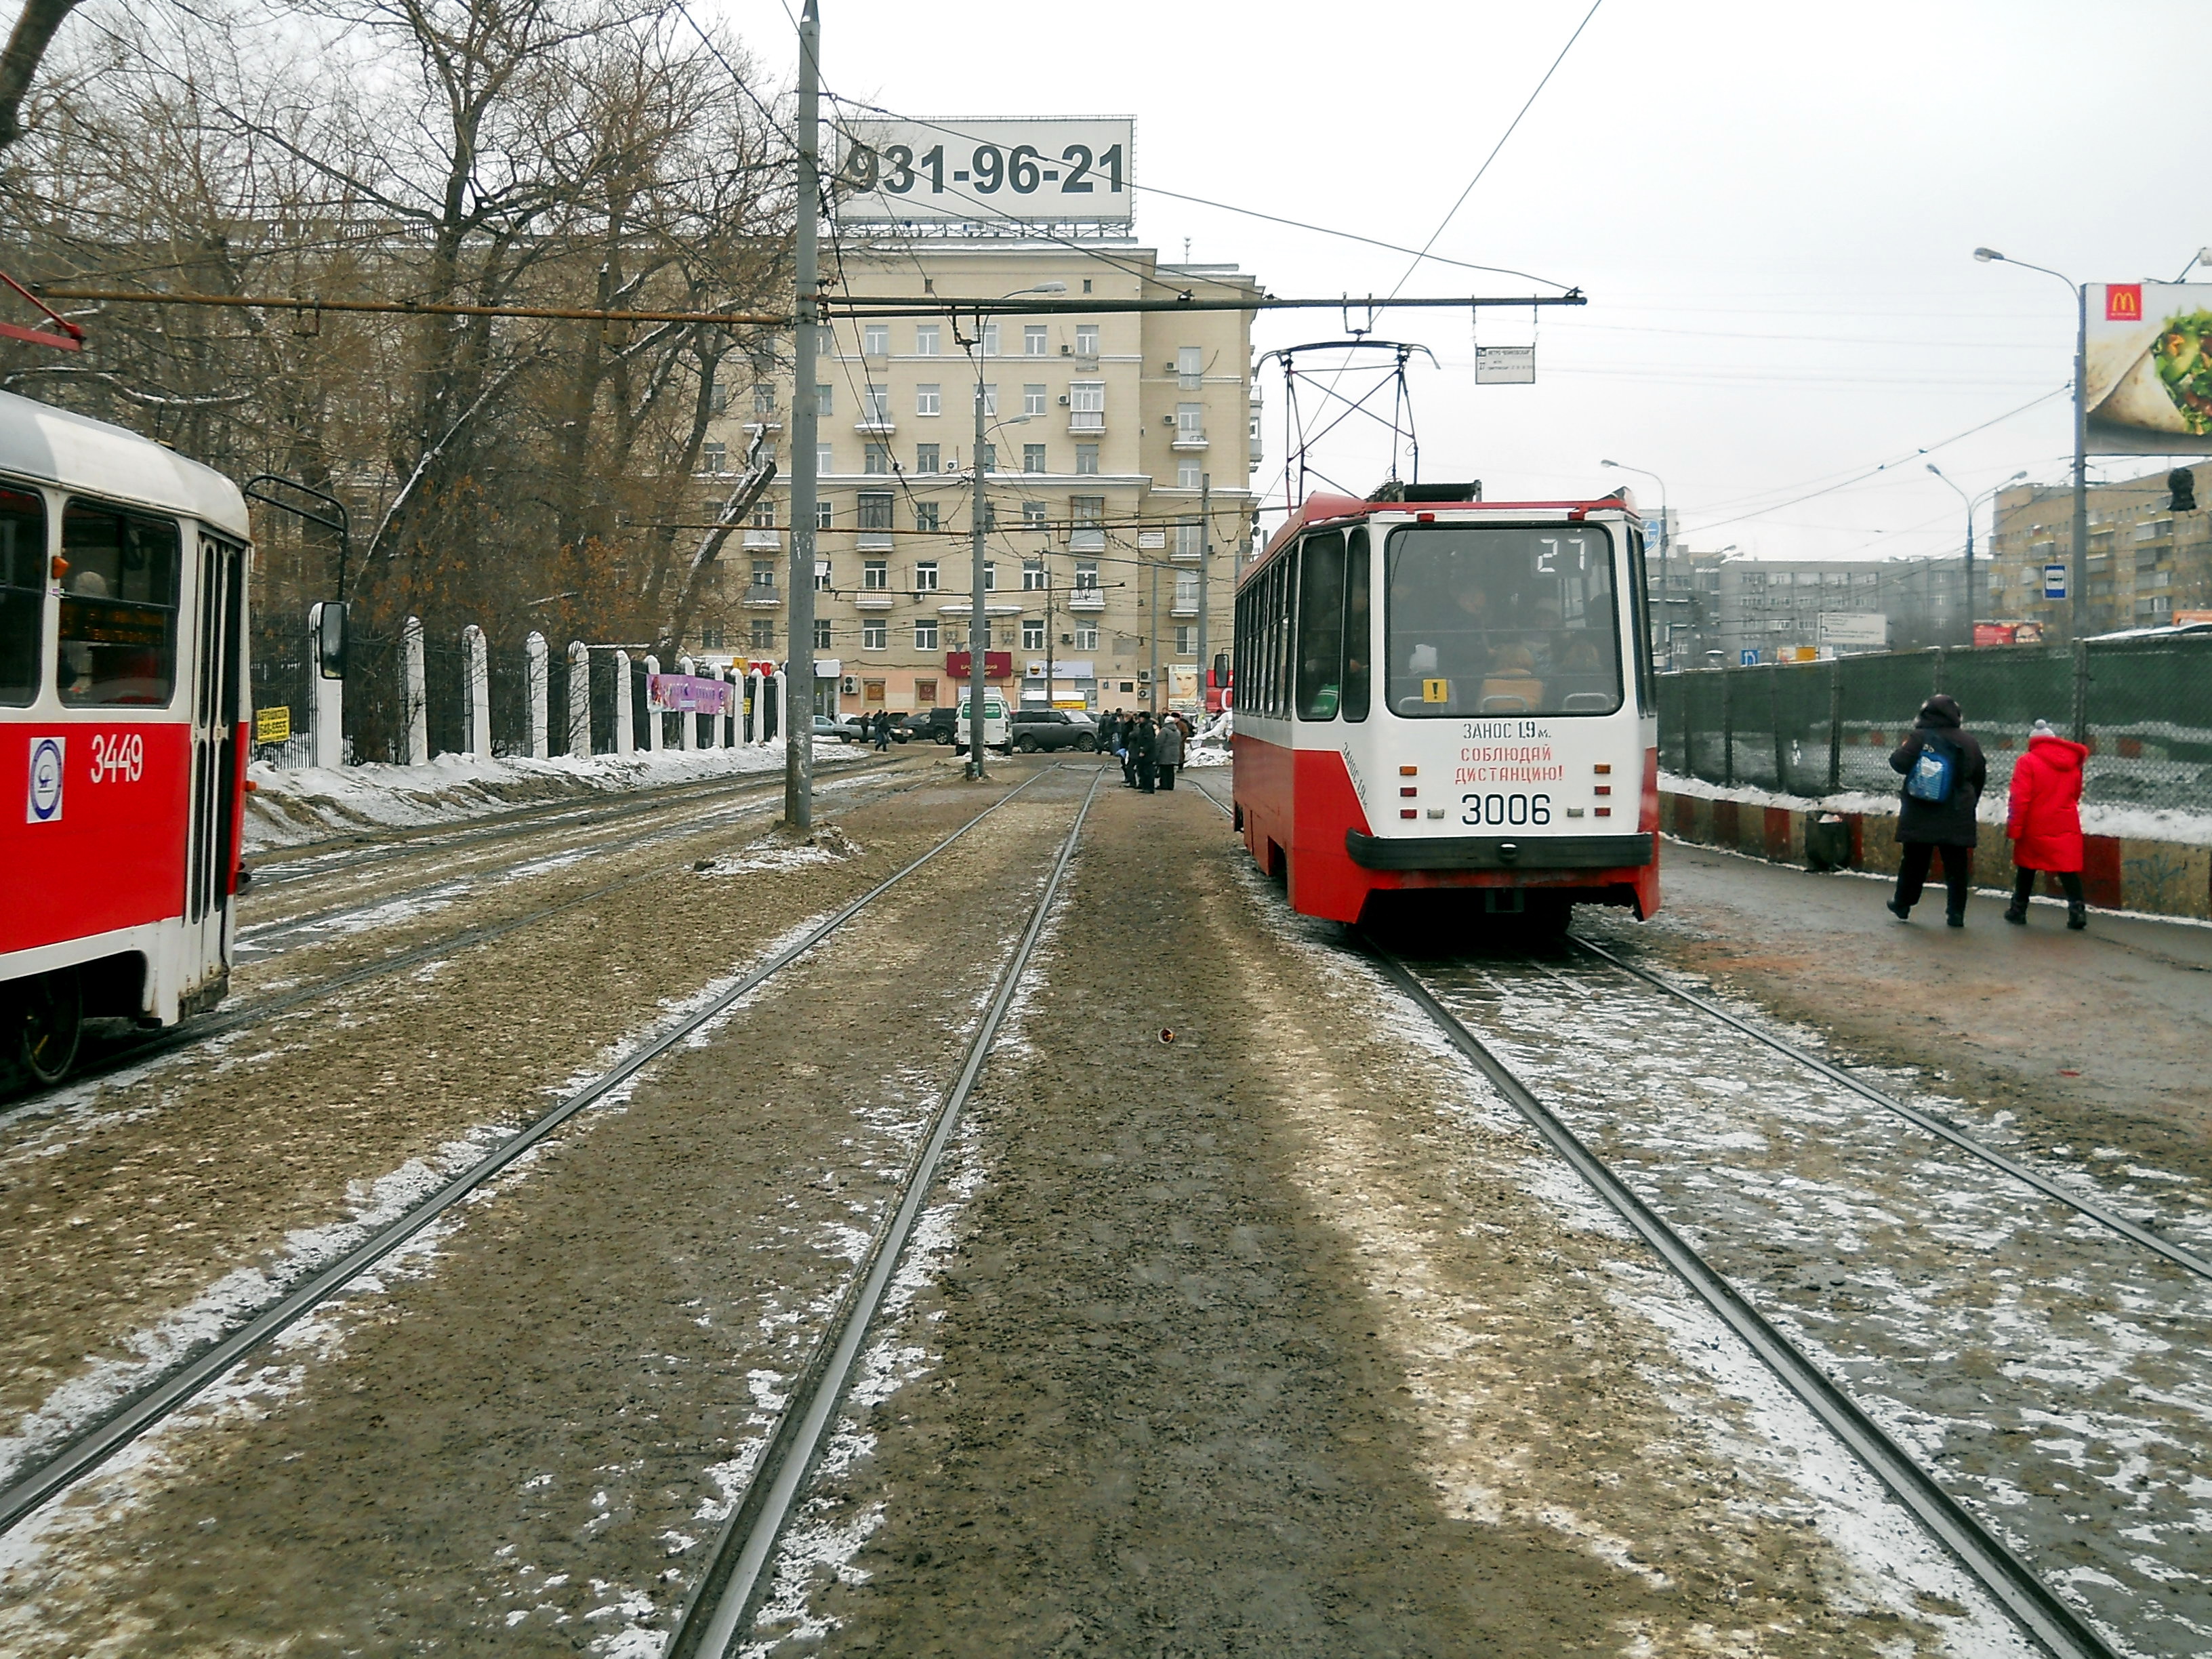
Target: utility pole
1205,558
979,630
2077,600
1152,636
798,711
1045,559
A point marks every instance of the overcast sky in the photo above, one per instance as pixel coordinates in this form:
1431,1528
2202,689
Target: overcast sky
1771,208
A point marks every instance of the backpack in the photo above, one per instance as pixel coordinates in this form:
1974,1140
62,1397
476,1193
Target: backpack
1930,778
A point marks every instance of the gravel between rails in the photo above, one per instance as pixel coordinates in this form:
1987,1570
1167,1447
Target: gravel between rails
513,1442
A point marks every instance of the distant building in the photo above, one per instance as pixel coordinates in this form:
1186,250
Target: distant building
2146,561
1729,604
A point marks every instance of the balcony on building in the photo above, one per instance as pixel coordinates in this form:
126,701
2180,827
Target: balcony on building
873,425
1086,598
762,598
962,607
872,598
1086,419
1184,607
768,540
1189,438
875,541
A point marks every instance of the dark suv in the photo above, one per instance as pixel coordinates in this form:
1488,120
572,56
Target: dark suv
938,725
1033,729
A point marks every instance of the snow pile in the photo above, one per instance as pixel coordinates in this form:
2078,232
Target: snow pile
311,803
2136,822
1210,746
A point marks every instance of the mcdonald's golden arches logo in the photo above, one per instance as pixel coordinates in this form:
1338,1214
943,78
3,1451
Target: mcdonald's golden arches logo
2124,302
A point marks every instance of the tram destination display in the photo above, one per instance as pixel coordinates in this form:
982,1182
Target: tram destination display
891,172
2148,387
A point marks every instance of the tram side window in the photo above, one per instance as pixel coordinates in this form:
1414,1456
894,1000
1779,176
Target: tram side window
23,607
118,633
1501,622
1286,625
1320,626
1358,633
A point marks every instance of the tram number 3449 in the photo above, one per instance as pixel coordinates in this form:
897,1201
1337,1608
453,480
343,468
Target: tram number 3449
120,757
1505,808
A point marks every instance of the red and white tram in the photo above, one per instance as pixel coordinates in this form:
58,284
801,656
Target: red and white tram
1435,692
123,698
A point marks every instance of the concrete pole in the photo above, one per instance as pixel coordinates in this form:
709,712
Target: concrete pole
625,731
1158,703
580,700
536,671
1205,559
415,706
326,700
979,620
2077,593
798,737
475,690
654,720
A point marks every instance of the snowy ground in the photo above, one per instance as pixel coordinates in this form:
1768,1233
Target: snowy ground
2136,822
311,803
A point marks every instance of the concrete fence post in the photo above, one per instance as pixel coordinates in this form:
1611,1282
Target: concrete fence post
476,691
654,718
415,697
536,671
2080,692
625,732
1728,727
687,724
1835,725
580,700
325,701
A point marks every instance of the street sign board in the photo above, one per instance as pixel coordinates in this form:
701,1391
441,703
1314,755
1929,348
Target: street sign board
2147,358
1861,628
1505,365
893,171
1748,658
2054,581
272,724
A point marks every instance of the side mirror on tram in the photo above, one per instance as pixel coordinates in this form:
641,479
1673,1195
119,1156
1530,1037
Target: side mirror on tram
331,639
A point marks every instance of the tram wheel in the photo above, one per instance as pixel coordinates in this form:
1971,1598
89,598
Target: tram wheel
49,1020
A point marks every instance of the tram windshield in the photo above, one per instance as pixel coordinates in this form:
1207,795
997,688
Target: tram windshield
1501,622
23,594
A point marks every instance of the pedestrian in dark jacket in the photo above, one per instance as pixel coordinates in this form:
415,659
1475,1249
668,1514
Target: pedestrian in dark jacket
1167,751
1109,733
882,729
2043,820
1938,742
1143,742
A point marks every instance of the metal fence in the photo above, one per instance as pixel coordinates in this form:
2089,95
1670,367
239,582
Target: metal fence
2143,706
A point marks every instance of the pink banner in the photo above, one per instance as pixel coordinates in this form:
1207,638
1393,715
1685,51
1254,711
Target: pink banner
687,694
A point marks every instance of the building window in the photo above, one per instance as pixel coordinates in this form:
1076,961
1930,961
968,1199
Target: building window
821,576
1032,633
990,575
1187,474
990,339
876,459
924,516
990,517
763,575
1189,534
1032,400
1190,423
1190,368
1086,636
763,398
1186,593
1086,575
925,639
875,509
1186,639
875,634
875,405
925,576
925,691
716,458
1087,405
1035,338
762,634
718,398
1032,515
875,575
1032,458
710,637
1089,514
926,400
926,337
1086,339
925,457
987,457
821,634
875,339
825,515
1086,460
825,460
825,402
990,399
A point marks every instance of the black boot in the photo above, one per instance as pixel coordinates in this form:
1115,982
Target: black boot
2077,915
2016,913
1902,912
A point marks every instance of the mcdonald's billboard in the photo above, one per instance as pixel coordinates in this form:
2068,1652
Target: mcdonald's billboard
2148,387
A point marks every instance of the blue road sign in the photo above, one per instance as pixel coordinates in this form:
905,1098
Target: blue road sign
2054,581
1749,659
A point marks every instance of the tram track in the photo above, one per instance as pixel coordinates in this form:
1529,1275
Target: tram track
115,1430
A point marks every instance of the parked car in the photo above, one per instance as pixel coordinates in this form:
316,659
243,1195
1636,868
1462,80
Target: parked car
1052,728
827,727
936,724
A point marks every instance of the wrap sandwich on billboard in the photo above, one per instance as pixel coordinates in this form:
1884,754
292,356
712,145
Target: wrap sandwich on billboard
2149,388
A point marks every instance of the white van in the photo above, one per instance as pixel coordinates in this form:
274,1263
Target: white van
996,734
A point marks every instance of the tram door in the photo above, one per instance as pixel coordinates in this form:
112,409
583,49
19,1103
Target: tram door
216,759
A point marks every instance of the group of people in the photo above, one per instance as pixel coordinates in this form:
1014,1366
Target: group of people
1945,773
1150,749
878,728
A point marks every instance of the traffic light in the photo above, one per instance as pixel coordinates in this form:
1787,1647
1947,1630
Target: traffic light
2181,484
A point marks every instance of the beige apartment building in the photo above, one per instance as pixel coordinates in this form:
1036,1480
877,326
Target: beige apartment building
1107,433
2147,562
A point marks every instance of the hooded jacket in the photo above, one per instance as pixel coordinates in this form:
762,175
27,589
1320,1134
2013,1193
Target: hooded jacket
1167,744
2044,815
1945,822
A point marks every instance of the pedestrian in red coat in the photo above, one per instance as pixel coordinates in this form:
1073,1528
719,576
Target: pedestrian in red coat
2044,822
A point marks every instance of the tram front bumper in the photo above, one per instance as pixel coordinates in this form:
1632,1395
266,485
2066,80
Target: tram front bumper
1500,852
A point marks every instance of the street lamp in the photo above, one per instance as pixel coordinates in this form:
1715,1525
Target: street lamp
2080,561
1971,503
979,628
1666,542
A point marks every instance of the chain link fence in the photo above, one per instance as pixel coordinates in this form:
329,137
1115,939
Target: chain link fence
2142,705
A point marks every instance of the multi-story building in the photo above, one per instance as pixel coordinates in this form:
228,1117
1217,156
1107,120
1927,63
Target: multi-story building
2146,561
1107,435
1722,606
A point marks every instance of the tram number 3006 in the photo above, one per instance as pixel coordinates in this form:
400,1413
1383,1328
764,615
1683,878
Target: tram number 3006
1505,808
